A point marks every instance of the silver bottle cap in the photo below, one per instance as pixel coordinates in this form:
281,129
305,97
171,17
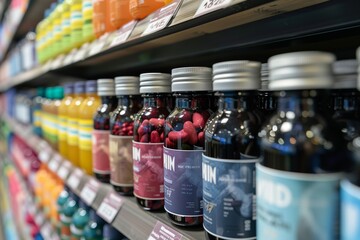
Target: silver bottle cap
264,77
106,87
301,70
127,85
155,83
236,75
345,72
191,79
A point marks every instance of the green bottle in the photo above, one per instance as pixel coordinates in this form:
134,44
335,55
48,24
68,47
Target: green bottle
94,229
79,221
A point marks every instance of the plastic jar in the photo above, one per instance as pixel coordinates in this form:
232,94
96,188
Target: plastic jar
122,132
119,13
87,110
73,123
184,142
231,151
148,141
303,152
101,130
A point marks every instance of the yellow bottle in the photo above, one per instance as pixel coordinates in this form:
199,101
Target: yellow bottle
45,120
65,28
40,41
45,36
62,119
73,124
57,29
76,23
87,14
50,38
87,111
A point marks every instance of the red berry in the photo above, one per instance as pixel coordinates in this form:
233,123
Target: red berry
185,116
169,143
178,136
198,120
155,138
190,129
144,138
201,138
157,122
162,137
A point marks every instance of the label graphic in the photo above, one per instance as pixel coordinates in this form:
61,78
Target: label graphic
85,131
72,132
121,161
350,211
229,197
297,206
148,170
183,182
100,150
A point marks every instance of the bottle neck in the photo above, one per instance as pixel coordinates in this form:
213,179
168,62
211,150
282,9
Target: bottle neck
302,103
346,100
193,100
233,100
128,101
108,100
91,94
158,100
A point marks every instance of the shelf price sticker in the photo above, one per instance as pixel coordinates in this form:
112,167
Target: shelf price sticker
45,152
81,53
74,179
110,207
57,62
99,44
161,18
208,6
162,231
64,170
54,163
69,58
123,33
89,191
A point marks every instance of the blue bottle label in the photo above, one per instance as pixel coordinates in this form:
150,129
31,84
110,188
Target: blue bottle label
296,205
182,182
229,197
350,211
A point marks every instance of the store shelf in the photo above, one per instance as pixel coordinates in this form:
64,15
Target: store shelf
131,220
253,29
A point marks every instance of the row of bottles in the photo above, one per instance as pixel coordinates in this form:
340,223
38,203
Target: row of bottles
68,24
234,168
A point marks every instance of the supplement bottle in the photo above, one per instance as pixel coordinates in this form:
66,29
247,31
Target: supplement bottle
148,141
94,228
79,221
76,23
140,9
101,131
73,123
65,27
231,152
68,210
122,132
57,28
119,13
184,144
88,29
61,200
86,115
101,19
62,119
303,153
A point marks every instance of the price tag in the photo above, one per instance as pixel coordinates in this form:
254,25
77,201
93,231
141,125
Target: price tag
110,206
70,57
74,179
99,44
80,54
123,33
88,193
64,170
45,152
54,163
208,6
57,62
162,231
162,17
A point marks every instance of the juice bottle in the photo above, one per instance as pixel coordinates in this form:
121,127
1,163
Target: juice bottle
94,229
149,126
73,124
101,19
76,23
50,39
62,119
101,132
58,94
140,9
65,27
119,13
86,115
303,153
79,221
67,212
37,112
46,32
57,28
88,29
191,87
40,41
60,202
45,113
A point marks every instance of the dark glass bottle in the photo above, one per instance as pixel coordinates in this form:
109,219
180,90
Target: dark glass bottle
148,141
100,136
184,142
303,153
122,133
266,100
231,151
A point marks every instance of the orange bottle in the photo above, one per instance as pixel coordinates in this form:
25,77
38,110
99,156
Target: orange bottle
119,13
140,9
101,17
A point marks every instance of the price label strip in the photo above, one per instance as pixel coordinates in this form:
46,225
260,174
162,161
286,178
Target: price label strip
162,17
123,33
54,163
162,231
74,179
208,6
110,207
81,53
57,62
89,191
69,58
99,44
64,170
